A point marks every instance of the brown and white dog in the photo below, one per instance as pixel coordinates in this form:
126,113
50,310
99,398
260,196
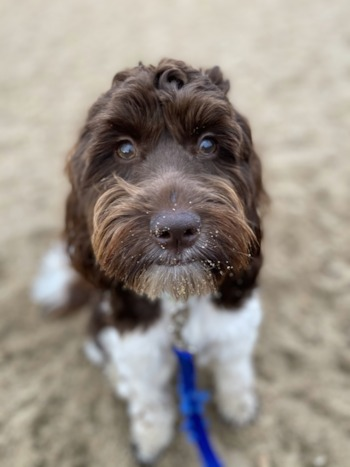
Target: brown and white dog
163,214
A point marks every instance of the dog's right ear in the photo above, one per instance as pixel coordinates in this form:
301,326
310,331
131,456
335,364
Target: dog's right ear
216,77
77,231
78,239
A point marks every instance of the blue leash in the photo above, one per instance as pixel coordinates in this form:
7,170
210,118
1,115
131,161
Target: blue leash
192,408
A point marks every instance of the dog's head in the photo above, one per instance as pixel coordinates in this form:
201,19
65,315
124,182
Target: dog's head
165,184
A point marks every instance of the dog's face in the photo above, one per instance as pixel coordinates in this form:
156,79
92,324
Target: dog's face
166,182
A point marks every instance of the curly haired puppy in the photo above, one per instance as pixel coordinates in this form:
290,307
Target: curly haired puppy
163,214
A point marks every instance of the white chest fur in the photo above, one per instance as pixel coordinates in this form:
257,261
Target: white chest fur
140,365
207,327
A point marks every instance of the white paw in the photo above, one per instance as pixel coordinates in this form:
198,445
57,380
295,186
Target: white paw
152,431
51,287
238,408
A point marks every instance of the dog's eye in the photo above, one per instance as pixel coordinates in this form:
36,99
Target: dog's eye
207,146
126,150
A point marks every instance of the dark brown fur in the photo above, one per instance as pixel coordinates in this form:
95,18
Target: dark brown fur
164,111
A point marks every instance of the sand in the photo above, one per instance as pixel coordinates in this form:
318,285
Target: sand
289,66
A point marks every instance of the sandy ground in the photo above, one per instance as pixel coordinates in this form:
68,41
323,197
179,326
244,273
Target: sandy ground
289,64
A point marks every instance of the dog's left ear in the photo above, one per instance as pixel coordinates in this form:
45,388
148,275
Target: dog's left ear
215,75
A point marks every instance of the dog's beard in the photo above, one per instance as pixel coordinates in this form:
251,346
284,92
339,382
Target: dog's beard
127,253
140,266
180,282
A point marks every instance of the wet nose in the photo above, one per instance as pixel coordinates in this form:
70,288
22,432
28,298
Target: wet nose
175,230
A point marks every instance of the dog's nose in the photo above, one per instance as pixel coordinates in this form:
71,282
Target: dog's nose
175,230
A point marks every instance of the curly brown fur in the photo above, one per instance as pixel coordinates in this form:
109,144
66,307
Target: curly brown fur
165,111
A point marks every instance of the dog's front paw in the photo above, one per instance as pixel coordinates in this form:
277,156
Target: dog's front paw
151,432
238,408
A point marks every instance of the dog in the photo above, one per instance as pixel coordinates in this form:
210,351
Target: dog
163,214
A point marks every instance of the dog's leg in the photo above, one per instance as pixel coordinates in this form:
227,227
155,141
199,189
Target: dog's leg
229,337
139,365
58,289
